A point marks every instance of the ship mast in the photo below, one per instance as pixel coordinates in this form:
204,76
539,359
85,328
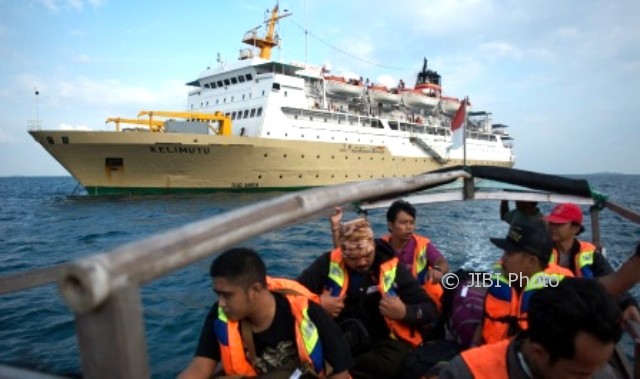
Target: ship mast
266,43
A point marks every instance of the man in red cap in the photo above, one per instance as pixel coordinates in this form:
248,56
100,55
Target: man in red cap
581,257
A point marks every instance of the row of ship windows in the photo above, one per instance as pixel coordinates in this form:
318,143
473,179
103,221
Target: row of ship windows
237,115
224,100
229,81
346,139
360,158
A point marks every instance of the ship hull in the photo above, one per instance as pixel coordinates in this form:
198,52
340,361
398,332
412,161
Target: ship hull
142,162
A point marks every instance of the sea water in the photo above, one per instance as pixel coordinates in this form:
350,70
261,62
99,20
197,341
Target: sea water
42,225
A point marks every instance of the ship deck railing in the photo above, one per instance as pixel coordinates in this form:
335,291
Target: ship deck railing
103,290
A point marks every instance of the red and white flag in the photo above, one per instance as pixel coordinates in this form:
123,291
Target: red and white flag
458,125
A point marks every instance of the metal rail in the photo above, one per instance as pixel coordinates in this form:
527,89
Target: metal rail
103,290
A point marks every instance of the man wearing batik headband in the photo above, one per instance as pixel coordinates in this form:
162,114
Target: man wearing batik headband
380,306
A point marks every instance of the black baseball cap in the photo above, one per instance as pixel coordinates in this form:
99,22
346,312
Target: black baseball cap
529,238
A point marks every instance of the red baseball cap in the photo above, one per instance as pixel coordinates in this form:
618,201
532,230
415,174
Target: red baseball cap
565,212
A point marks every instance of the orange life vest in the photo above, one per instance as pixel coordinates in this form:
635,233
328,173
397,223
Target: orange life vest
338,283
420,268
583,261
488,361
290,287
232,349
506,309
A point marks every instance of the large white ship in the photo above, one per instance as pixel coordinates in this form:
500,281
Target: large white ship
260,124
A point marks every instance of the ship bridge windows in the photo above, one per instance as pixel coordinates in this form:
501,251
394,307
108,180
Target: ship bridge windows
227,82
241,79
207,85
393,125
249,77
220,84
276,86
234,80
246,113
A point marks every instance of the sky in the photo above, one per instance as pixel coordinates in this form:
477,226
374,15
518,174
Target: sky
562,74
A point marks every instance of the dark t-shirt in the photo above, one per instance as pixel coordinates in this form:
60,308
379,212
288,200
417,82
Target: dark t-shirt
278,342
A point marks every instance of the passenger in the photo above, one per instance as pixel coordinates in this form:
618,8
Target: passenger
581,257
573,329
525,211
525,269
417,253
257,327
380,306
627,276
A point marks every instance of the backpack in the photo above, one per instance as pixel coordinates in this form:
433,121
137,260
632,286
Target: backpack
463,308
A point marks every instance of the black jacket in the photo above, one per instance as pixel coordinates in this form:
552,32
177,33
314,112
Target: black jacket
363,298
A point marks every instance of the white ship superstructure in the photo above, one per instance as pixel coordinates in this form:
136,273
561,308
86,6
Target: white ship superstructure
286,125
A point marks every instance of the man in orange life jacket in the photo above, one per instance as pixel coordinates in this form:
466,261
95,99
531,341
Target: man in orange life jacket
378,303
581,257
573,329
417,253
262,325
525,269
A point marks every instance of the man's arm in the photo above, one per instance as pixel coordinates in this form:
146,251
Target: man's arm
199,368
334,345
334,220
207,354
624,279
601,268
438,265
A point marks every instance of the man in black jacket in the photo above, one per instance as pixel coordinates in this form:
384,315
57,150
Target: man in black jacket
380,306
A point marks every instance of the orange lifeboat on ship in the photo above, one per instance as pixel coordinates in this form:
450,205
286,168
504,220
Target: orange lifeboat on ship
338,85
430,89
449,105
381,94
415,98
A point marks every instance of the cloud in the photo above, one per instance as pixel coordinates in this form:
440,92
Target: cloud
56,6
108,92
502,49
51,5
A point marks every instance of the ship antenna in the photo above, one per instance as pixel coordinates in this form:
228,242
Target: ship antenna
34,123
306,32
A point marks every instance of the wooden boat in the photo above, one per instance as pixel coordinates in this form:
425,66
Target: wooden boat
103,290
